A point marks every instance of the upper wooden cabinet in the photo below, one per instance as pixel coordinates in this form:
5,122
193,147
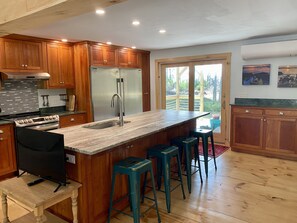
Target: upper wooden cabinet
7,150
60,65
103,55
264,131
22,55
129,58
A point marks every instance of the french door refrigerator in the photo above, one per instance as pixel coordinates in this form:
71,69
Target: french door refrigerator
105,82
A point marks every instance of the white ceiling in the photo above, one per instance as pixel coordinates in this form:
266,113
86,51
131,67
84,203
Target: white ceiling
188,22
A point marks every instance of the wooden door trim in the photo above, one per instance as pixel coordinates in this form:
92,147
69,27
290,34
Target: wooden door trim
226,57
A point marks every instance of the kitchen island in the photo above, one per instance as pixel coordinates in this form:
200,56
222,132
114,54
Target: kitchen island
96,150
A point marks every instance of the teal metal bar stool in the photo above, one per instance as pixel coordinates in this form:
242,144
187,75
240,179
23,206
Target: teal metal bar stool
205,134
185,145
164,153
133,167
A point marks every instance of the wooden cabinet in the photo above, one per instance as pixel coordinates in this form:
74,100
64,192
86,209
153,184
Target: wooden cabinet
103,55
71,120
264,131
20,55
146,86
7,150
60,66
129,58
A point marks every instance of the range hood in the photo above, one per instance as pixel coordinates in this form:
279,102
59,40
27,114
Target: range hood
24,76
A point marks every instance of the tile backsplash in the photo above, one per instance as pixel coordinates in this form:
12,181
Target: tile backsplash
18,96
21,96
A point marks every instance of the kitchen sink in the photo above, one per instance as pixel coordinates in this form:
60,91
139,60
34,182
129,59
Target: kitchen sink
104,125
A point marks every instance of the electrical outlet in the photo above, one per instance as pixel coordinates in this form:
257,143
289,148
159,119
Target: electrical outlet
70,158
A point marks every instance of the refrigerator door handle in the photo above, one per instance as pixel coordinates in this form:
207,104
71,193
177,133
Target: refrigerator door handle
123,96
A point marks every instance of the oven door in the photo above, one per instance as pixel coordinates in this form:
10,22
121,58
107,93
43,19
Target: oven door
45,127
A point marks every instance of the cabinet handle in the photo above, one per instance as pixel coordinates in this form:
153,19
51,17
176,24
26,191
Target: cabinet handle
72,120
23,65
105,61
26,65
247,111
1,139
264,120
1,131
146,93
281,113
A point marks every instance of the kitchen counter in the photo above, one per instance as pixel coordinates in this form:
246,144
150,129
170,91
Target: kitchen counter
92,141
4,122
266,103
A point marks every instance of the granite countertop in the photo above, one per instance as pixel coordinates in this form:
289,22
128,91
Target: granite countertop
266,103
64,113
4,122
92,141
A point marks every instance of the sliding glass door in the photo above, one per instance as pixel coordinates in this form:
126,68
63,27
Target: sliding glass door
197,86
176,87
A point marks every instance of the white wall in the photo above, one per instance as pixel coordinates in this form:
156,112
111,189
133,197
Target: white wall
237,89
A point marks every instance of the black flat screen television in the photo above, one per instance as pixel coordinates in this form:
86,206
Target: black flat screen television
41,153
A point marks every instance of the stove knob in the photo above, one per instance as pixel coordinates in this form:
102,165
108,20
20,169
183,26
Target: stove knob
20,122
30,121
26,121
45,118
51,117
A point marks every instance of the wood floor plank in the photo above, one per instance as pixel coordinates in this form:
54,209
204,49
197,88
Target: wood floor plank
245,189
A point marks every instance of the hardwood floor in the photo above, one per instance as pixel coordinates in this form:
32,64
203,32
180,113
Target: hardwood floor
245,188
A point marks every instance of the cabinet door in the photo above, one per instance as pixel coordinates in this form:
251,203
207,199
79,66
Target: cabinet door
97,55
280,134
133,59
247,131
129,58
146,98
32,55
66,66
53,66
109,56
123,58
7,150
12,58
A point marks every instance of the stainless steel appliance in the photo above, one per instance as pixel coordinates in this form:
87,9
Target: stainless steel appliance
34,121
105,82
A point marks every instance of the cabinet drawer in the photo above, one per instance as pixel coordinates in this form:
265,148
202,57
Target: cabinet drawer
70,120
5,131
244,110
282,113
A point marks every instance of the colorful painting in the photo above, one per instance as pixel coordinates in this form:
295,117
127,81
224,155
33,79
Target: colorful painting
256,74
287,76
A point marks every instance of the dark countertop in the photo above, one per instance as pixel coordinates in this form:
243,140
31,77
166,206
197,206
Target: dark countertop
5,122
64,113
266,103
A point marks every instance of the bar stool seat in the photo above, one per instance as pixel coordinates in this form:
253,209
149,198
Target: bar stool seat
133,167
185,145
205,134
164,153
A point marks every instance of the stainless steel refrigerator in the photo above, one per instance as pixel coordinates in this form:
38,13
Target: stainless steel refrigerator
107,81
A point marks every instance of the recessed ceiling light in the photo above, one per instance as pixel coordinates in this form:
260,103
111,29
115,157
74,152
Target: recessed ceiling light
100,11
162,31
64,40
109,43
133,47
135,23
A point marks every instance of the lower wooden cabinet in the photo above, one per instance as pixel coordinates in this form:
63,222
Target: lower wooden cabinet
73,119
7,150
264,131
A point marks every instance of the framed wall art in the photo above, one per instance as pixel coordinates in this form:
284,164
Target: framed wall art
256,74
287,76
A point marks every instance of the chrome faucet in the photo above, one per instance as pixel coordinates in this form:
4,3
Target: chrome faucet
120,101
